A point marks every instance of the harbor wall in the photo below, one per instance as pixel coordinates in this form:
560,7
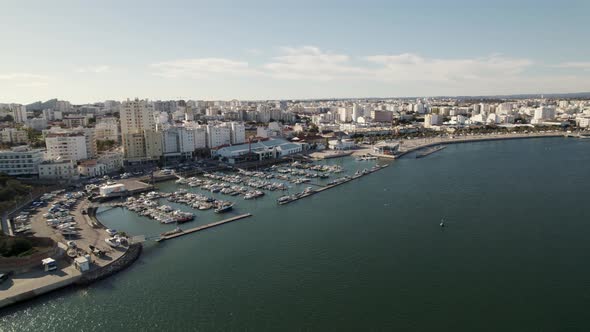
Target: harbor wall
472,140
128,258
38,291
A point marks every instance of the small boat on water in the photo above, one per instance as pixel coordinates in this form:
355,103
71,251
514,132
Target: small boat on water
224,208
283,199
172,232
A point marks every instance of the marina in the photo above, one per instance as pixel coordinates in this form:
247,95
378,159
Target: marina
308,232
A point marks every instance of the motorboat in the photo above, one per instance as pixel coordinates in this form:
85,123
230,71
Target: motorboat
224,208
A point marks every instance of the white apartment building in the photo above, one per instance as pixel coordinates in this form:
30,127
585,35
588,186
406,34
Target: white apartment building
112,160
218,136
75,121
87,133
66,146
107,129
20,160
13,136
52,115
138,130
200,137
37,123
431,120
19,112
137,115
58,170
178,141
583,122
542,114
92,168
238,133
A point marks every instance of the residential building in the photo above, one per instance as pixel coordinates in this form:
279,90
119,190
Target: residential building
178,142
237,133
431,120
13,136
66,146
63,143
37,123
112,160
19,113
138,129
218,136
107,129
58,170
20,160
382,116
72,121
92,168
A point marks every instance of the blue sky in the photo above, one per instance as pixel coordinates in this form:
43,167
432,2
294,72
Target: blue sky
90,51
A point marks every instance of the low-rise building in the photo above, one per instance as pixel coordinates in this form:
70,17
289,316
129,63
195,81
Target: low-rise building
20,160
75,121
341,144
260,150
58,170
91,168
112,160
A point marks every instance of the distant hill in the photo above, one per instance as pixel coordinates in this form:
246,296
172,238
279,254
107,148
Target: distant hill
39,106
581,95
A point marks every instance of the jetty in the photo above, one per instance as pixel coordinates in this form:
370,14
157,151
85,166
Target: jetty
330,186
202,228
430,151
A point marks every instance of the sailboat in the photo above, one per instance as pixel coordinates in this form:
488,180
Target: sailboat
442,222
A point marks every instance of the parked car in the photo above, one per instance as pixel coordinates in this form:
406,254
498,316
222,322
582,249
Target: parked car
5,276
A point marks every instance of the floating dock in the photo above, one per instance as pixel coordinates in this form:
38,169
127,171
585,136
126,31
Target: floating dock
330,186
202,228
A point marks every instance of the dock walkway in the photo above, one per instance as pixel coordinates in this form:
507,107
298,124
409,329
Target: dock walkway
330,186
203,227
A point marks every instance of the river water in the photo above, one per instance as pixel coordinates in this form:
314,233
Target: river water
367,255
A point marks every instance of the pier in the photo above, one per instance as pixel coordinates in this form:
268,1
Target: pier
430,151
202,228
330,186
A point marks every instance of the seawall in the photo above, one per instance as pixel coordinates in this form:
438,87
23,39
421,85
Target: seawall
471,140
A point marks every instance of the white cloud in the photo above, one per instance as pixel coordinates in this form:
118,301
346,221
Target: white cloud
574,65
254,51
21,77
32,84
405,72
413,67
201,67
94,69
311,63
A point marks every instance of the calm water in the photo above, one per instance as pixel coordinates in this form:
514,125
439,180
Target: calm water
368,255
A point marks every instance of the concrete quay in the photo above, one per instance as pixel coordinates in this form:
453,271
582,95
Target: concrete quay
28,285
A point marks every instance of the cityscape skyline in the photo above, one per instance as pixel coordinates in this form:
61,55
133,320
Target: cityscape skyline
190,51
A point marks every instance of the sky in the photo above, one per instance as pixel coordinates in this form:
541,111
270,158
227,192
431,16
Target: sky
87,51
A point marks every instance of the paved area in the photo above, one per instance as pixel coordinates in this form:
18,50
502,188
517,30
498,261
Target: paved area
30,284
88,235
133,184
36,282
